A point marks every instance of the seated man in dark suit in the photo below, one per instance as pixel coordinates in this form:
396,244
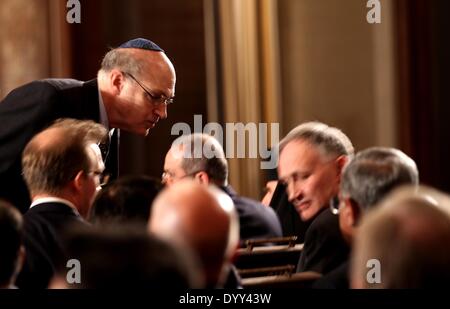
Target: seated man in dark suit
366,180
187,158
62,167
311,160
128,199
12,252
134,85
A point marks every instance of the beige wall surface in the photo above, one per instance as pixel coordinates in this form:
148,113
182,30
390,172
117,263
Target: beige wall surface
24,42
34,42
338,68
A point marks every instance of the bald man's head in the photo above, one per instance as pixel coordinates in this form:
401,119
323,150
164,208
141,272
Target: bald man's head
200,218
136,86
406,235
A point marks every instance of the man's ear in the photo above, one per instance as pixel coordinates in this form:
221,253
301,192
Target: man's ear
116,81
354,211
202,177
340,163
78,181
345,213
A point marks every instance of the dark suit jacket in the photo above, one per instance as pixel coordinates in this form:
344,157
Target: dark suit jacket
29,109
324,248
255,219
44,228
336,279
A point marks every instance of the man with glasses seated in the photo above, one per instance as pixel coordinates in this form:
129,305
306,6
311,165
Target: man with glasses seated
134,85
311,158
62,167
201,157
366,180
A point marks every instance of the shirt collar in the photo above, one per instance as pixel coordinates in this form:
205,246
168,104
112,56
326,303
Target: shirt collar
43,200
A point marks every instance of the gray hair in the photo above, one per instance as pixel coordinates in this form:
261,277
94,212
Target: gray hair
202,152
329,140
48,166
123,60
376,171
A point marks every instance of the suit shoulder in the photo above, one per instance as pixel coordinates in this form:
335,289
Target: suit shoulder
325,225
42,86
260,219
61,83
38,98
255,206
324,218
40,91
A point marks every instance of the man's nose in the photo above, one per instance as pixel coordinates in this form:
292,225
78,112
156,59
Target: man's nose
161,111
293,191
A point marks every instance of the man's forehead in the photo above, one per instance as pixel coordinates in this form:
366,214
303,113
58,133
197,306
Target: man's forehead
299,156
301,151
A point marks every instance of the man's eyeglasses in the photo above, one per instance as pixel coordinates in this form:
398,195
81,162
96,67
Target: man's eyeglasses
103,178
168,175
157,100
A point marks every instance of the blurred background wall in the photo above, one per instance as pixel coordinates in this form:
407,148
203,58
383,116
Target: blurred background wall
253,61
338,68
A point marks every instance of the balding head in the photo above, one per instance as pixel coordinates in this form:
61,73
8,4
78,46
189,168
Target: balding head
48,139
198,155
136,61
408,234
55,159
54,156
136,85
194,215
153,65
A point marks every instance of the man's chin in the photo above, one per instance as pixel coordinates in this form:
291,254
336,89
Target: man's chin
304,217
307,214
137,131
142,132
